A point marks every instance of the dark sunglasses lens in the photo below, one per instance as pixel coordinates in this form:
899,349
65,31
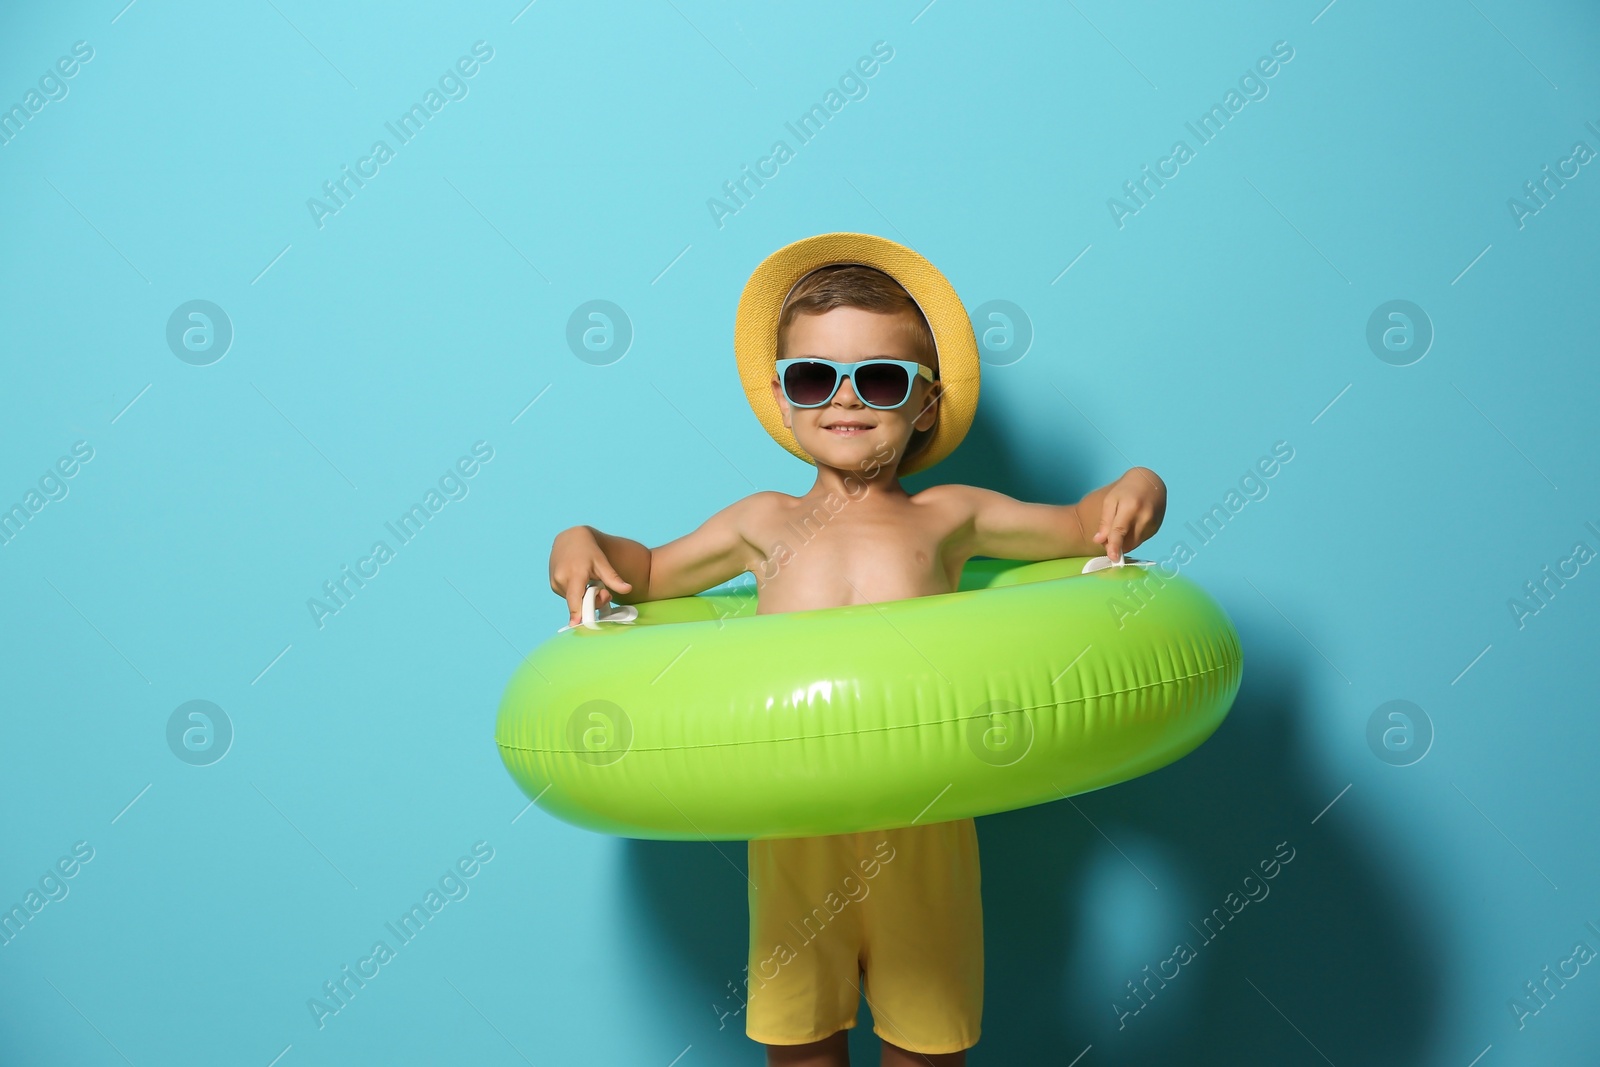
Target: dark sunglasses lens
883,384
808,383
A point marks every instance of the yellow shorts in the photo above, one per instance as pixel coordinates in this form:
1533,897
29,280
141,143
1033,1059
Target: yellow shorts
900,906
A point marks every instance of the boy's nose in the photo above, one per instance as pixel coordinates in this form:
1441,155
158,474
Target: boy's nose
846,395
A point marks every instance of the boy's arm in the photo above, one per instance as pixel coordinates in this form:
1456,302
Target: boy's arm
1113,518
630,572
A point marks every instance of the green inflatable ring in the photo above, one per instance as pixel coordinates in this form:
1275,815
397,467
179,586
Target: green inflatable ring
701,720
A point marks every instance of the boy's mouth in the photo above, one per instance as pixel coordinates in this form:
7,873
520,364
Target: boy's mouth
847,427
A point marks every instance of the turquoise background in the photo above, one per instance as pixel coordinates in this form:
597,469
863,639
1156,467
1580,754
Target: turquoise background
369,354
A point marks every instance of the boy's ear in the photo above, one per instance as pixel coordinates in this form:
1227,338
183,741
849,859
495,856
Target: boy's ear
783,403
929,412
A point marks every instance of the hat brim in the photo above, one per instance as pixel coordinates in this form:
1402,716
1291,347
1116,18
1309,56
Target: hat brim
755,333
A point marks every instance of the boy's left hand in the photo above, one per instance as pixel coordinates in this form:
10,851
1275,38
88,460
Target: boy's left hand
1132,511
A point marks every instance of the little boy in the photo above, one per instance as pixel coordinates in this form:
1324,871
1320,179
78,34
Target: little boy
859,357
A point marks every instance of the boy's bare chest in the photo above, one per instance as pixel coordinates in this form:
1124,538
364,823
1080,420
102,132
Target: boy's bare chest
849,553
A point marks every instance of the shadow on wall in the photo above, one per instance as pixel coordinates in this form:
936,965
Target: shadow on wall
1334,945
988,458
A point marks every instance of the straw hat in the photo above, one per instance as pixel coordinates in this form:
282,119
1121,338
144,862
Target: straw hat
755,332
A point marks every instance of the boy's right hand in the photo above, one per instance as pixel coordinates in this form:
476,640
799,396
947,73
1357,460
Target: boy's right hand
576,559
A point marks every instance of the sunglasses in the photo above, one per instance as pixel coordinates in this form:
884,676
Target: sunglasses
879,383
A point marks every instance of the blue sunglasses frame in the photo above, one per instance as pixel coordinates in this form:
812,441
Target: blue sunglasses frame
841,371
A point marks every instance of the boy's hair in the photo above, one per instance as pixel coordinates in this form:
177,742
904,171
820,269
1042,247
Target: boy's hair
870,289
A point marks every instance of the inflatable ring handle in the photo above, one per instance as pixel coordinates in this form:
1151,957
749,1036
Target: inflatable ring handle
590,618
588,615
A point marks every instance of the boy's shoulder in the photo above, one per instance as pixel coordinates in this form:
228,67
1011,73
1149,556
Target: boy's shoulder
760,503
965,504
950,495
762,499
935,494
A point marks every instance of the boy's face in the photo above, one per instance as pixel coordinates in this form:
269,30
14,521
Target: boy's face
845,433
